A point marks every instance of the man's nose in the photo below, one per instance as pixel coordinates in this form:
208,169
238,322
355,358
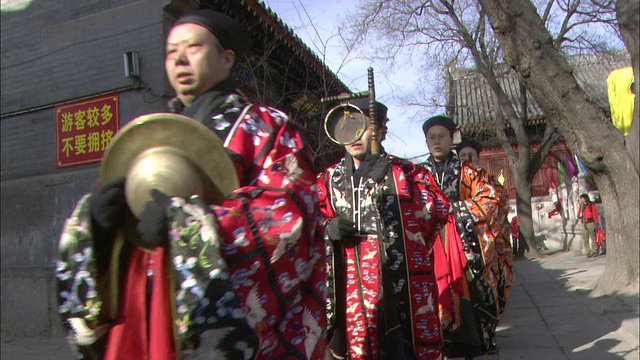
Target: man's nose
180,57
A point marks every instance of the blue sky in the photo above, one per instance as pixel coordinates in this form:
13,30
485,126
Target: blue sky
315,22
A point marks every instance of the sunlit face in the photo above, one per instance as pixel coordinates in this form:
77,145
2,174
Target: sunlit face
440,141
469,154
195,61
361,148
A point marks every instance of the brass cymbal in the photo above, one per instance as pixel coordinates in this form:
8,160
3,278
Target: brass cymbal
172,153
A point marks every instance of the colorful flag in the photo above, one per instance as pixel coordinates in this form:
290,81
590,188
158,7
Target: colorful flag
621,98
569,166
581,167
501,178
562,173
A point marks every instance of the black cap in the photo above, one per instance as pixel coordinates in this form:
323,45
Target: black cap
363,105
230,33
439,120
384,124
466,142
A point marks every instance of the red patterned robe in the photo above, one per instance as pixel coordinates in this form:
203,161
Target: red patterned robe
469,277
382,287
241,280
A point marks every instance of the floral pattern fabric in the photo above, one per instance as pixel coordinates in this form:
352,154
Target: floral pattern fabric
476,203
384,277
248,275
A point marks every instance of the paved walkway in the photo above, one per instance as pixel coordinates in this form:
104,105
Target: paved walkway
549,317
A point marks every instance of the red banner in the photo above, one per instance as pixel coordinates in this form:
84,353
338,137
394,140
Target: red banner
85,128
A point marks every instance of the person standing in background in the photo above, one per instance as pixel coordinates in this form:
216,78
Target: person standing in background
588,215
469,151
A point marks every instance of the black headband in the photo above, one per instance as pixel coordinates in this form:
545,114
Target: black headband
470,143
363,105
230,33
439,120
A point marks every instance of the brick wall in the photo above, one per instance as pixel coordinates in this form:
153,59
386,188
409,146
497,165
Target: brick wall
51,53
55,51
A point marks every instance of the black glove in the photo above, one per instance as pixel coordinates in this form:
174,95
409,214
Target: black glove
108,208
341,228
153,223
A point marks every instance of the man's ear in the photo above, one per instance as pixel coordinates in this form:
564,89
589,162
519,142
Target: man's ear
229,57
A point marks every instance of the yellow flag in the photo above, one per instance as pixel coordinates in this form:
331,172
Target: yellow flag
501,178
621,98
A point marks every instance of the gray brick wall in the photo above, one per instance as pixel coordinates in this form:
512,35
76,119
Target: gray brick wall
33,213
27,142
55,51
62,58
59,50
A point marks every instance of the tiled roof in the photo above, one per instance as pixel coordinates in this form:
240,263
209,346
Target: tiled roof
292,41
471,101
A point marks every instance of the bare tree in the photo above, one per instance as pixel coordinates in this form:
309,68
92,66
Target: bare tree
485,54
296,82
294,86
444,30
529,49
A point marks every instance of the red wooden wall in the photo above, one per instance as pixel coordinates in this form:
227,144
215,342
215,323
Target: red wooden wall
493,160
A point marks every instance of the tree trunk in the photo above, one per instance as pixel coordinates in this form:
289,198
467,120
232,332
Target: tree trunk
520,164
529,50
523,205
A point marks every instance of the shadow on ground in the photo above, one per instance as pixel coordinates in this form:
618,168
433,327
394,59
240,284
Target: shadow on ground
550,314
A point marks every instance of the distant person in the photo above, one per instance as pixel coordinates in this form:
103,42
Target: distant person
469,150
515,236
588,215
519,244
602,223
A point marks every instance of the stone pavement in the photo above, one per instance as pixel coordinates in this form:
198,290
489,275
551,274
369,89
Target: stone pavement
549,316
